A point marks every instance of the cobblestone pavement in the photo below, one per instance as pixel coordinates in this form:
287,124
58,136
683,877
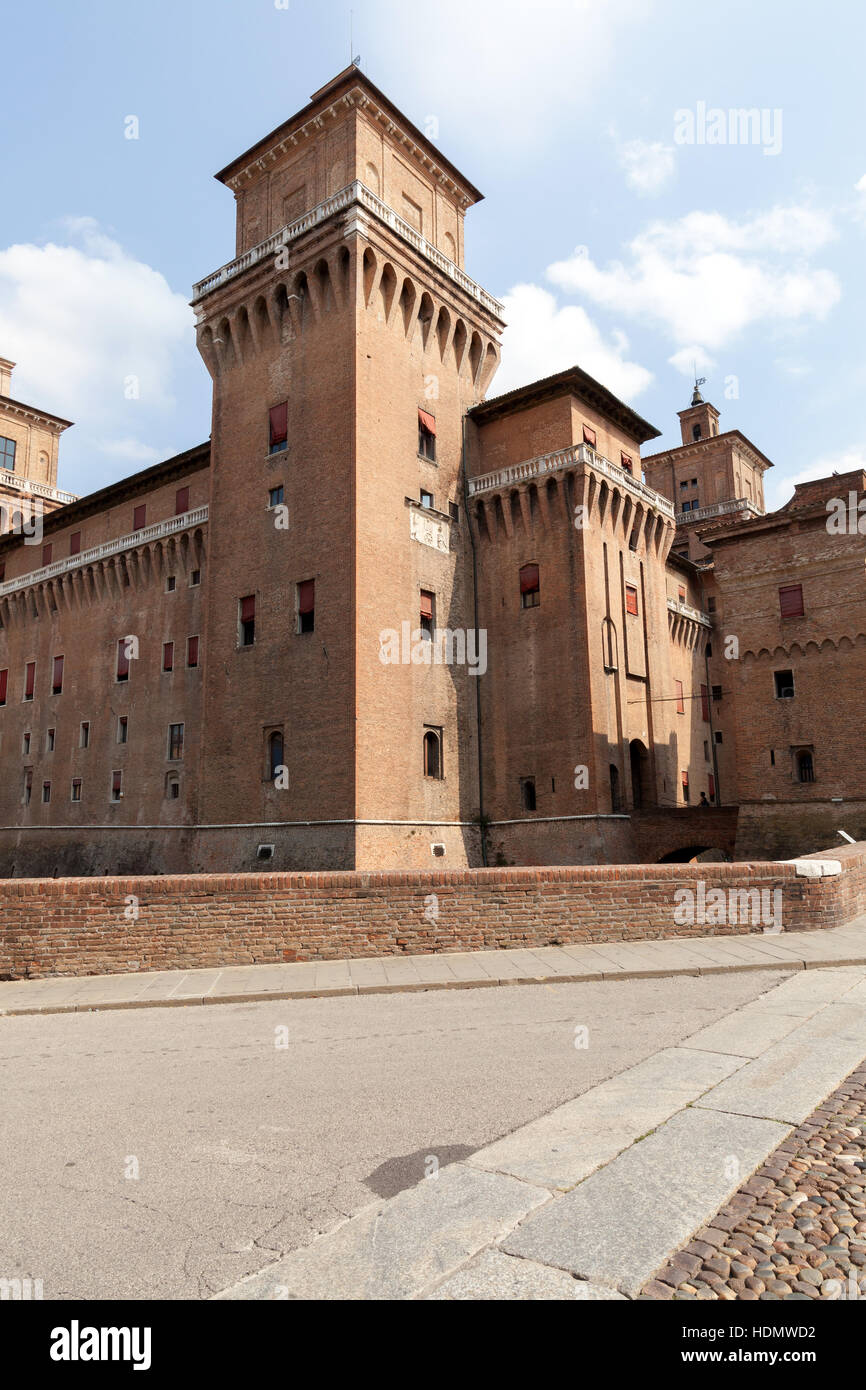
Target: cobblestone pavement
797,1229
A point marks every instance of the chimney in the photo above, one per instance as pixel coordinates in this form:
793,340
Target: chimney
5,376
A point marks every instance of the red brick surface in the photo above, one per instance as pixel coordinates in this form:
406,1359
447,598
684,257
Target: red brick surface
88,926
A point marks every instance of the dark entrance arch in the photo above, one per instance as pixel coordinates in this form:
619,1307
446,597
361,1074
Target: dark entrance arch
641,781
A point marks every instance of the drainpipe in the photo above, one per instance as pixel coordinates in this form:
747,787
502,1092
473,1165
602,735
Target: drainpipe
478,679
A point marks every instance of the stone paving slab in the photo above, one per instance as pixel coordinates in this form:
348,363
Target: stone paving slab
398,1248
621,1224
562,1148
756,1029
493,1275
794,1075
801,951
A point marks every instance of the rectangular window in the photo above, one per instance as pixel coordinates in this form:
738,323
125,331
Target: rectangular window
28,786
711,786
139,517
247,620
527,794
784,684
275,496
681,593
195,578
76,789
791,601
4,682
116,785
705,704
192,651
122,659
711,604
50,736
29,680
706,751
46,793
685,785
84,737
57,677
426,435
123,729
454,513
684,482
26,744
168,656
530,586
175,742
75,543
426,498
278,427
589,435
171,584
626,462
181,501
47,552
717,692
718,736
427,617
681,704
307,605
7,454
630,599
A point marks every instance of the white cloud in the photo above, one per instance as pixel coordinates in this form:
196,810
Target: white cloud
89,326
649,167
705,278
500,66
780,490
691,360
543,338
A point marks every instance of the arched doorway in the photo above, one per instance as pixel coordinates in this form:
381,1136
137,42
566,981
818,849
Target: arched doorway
641,782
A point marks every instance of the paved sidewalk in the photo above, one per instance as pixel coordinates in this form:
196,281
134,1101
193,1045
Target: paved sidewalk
592,1199
626,960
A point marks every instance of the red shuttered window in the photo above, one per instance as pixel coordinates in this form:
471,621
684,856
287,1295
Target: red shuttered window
278,427
192,651
4,682
75,543
181,501
589,435
791,601
139,517
630,599
29,680
57,678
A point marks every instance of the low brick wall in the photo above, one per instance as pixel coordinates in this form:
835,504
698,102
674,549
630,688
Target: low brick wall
86,926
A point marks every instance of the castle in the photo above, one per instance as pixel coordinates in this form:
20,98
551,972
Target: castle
382,619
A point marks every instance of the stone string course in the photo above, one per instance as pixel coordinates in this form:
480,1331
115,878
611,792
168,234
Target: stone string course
89,926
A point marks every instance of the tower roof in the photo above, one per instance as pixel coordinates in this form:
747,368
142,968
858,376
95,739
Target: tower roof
351,82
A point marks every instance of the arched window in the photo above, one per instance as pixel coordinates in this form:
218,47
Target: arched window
433,753
805,767
696,431
275,753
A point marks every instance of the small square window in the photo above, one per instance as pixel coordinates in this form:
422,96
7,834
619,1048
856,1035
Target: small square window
784,684
426,498
76,789
718,736
275,496
171,584
195,578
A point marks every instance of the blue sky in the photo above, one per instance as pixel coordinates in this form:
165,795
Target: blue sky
616,242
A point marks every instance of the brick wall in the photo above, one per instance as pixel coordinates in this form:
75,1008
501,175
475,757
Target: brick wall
88,926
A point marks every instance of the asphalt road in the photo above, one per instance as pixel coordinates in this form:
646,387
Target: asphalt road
166,1153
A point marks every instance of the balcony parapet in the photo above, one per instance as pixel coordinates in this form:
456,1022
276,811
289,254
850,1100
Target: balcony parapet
560,461
355,193
185,522
734,507
27,485
685,610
